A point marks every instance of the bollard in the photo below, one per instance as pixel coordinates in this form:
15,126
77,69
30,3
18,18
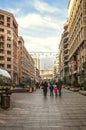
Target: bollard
5,102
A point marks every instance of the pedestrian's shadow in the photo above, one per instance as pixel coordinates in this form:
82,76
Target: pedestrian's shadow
45,97
58,97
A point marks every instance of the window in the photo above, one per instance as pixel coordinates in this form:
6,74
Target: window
8,38
1,38
8,19
1,45
8,59
8,32
9,52
1,57
1,51
8,66
9,45
1,65
1,30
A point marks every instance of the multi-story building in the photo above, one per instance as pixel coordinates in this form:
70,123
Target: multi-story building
46,74
8,44
56,68
77,38
36,67
25,63
61,58
66,52
36,61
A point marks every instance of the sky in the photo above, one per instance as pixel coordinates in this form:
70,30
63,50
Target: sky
40,22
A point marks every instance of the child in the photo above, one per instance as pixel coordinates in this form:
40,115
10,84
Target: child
55,90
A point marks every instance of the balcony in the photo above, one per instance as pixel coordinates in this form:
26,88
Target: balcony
65,39
84,65
66,51
8,24
1,23
66,45
2,38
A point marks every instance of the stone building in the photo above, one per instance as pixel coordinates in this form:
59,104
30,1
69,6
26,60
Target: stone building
36,67
77,39
14,57
56,73
25,63
66,53
8,44
61,58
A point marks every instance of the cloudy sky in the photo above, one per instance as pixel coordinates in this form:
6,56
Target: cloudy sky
40,22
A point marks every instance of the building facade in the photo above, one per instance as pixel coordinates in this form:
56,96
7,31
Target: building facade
77,39
56,72
66,53
8,44
61,58
37,67
13,55
46,74
25,63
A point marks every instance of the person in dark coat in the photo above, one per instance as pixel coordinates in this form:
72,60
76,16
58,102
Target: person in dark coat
59,84
51,88
45,86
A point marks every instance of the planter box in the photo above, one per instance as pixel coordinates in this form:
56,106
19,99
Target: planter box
67,87
75,89
82,92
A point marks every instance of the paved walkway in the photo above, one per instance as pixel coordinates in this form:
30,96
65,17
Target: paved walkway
32,111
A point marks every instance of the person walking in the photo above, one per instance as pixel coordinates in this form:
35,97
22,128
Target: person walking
55,89
51,89
59,86
45,85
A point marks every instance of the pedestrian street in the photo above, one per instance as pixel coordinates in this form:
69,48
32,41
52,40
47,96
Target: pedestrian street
33,111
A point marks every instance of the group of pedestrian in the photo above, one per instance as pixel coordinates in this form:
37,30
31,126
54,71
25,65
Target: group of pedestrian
55,88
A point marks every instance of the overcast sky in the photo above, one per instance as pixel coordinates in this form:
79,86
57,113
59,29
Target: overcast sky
40,22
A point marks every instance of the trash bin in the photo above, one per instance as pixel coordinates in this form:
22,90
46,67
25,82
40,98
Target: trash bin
5,102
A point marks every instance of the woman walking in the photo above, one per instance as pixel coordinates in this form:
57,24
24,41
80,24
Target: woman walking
55,90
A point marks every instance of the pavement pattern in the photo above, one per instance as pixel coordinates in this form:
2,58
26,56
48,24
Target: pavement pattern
33,111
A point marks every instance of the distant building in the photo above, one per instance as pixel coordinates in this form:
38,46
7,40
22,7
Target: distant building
25,62
61,58
46,74
36,67
36,61
56,67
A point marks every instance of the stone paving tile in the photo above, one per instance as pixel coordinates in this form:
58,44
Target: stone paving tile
83,128
35,112
11,128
